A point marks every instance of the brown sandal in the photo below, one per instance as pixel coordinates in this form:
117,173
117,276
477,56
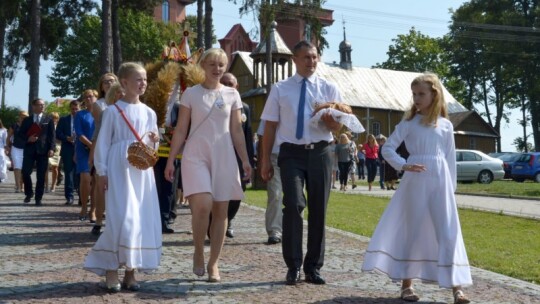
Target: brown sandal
408,294
460,298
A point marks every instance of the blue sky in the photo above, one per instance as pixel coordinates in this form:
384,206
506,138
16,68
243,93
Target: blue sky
370,27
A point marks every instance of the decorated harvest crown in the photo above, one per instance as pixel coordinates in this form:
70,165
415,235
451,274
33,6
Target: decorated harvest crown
177,65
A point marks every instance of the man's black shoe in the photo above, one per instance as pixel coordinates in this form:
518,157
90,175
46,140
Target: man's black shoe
274,240
229,233
69,201
293,276
96,230
314,277
165,228
27,199
38,202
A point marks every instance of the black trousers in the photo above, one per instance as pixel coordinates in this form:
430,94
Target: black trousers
166,190
310,169
42,163
371,166
344,169
70,180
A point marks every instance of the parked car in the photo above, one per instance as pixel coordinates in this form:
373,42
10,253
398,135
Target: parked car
475,165
527,166
508,161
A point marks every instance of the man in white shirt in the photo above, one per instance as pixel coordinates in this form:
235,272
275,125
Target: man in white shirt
304,159
273,216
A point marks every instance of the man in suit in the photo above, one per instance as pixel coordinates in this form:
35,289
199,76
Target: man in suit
167,190
230,80
37,131
66,134
304,159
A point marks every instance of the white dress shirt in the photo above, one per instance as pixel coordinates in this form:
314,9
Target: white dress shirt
282,107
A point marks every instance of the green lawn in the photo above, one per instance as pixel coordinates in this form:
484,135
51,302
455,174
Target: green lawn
503,244
505,187
508,188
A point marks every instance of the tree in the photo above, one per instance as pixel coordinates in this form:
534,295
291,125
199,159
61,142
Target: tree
116,44
522,145
208,24
106,37
38,30
200,23
33,67
416,52
489,44
75,68
9,11
307,10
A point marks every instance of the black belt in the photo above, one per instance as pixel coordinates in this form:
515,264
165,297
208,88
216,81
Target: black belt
312,146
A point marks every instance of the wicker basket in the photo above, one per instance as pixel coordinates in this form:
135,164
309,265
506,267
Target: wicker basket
141,156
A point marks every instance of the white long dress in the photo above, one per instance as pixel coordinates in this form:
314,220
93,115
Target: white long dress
419,235
132,237
3,157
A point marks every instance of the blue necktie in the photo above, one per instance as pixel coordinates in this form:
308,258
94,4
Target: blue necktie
300,118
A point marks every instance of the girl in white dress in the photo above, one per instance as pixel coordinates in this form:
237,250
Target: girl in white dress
132,237
419,235
210,174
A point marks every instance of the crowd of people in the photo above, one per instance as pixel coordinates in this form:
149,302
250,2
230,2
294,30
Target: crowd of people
415,238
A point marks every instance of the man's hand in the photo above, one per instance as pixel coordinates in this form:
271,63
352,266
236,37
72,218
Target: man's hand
267,171
330,123
51,153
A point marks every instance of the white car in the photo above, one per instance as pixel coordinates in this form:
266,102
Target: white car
475,165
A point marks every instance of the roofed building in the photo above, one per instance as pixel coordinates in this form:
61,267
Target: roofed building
171,11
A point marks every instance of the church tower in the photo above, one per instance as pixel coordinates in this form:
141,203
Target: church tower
345,50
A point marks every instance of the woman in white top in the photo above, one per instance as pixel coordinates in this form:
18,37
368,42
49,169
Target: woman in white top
3,156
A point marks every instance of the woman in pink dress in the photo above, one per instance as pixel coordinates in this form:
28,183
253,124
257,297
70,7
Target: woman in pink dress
210,173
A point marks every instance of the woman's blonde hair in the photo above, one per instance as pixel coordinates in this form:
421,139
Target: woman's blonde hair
437,107
100,83
110,97
371,139
213,53
344,138
55,115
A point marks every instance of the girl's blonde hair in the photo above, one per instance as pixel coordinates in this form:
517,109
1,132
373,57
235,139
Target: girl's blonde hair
127,68
437,107
110,97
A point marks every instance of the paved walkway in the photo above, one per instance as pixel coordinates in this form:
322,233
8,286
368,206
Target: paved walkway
42,250
523,207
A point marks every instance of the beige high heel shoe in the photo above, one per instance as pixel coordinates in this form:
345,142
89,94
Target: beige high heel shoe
213,277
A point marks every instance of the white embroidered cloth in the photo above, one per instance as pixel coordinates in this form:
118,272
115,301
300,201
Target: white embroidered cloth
348,120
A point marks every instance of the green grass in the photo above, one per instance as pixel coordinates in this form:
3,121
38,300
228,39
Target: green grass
505,187
499,243
508,188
